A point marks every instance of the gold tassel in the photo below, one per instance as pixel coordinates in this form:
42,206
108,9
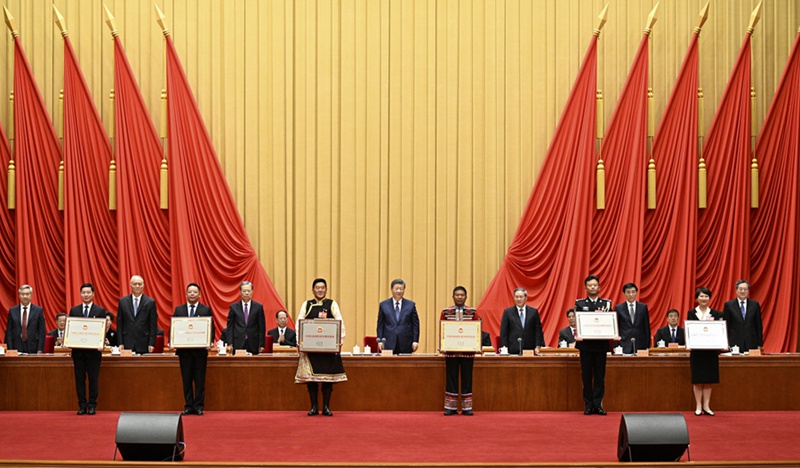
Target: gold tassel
61,114
754,183
12,185
651,185
164,185
601,185
61,186
702,197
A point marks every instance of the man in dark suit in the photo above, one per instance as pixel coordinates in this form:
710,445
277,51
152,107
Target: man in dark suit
26,330
246,323
137,319
111,334
521,321
398,322
193,361
567,334
672,332
593,352
87,361
61,325
743,319
283,335
633,321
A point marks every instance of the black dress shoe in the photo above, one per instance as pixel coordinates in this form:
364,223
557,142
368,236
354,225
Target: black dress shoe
81,411
467,412
588,412
708,412
313,411
91,411
199,412
187,411
326,411
600,411
450,412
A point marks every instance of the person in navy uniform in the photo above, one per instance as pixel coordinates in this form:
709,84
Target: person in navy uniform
593,352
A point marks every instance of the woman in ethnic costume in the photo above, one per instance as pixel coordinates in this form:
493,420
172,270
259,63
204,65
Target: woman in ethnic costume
324,368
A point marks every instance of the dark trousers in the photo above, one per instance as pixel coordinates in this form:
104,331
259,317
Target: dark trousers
453,365
313,392
193,373
86,363
593,364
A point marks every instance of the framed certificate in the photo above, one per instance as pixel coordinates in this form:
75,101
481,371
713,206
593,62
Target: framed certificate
85,333
706,334
319,335
596,325
458,336
190,332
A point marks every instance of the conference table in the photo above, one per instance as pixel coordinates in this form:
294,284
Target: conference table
403,383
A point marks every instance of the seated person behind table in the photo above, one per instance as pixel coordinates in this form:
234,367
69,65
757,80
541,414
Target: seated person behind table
486,339
111,334
568,333
282,335
61,322
672,333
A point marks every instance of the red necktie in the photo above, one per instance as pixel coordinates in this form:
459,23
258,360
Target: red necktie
24,323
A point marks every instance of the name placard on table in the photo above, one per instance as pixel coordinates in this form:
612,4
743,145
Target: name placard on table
319,335
458,336
190,332
85,333
706,334
596,325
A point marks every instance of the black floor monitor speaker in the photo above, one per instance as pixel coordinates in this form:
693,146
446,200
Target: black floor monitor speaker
150,436
652,437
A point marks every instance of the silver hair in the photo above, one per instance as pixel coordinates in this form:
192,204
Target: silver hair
521,290
25,286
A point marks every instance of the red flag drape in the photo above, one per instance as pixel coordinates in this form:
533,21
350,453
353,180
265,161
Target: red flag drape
8,289
90,237
142,227
616,255
40,227
549,255
723,228
670,231
773,233
210,244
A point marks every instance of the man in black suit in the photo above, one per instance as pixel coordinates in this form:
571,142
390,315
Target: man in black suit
672,332
193,361
87,361
743,319
568,333
521,321
246,323
283,335
398,322
137,319
111,334
633,321
593,352
61,325
26,330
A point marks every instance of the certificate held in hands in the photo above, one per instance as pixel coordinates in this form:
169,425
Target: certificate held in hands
596,325
190,332
85,333
706,334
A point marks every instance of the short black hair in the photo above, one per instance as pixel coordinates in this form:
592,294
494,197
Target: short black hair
192,284
87,285
60,314
459,288
319,280
589,278
278,313
628,286
110,315
702,290
673,310
741,282
570,311
398,281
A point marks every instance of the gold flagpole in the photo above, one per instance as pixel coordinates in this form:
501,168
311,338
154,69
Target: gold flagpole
702,194
601,170
112,167
59,20
651,165
164,168
12,168
754,17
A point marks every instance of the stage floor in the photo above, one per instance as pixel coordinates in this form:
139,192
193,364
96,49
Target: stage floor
380,438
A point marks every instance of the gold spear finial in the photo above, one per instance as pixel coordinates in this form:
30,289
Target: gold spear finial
12,26
701,19
601,21
651,20
62,25
161,20
110,21
754,17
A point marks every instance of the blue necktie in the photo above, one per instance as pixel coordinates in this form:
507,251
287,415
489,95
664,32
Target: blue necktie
743,309
191,310
522,317
135,306
673,335
86,311
397,311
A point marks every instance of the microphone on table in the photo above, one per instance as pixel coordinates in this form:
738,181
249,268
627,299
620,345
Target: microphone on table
633,341
519,340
